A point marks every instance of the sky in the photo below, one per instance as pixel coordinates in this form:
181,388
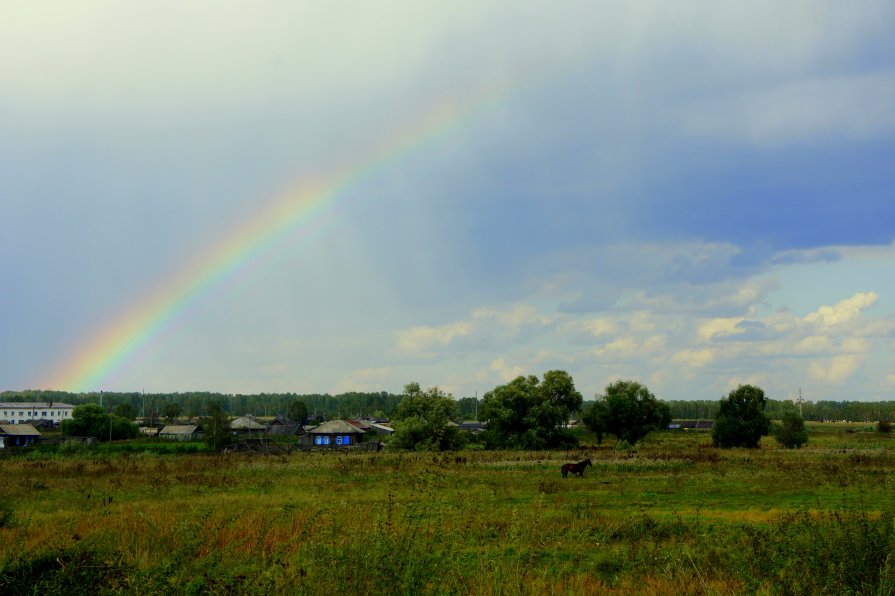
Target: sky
314,197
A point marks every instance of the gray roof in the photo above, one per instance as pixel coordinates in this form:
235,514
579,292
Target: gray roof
21,430
178,429
246,423
36,405
335,427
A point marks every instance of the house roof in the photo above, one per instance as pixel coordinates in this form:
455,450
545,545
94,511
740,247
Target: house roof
335,427
179,429
37,405
359,423
246,423
20,430
381,428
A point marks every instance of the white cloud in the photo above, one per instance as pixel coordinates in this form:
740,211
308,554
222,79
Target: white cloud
507,373
843,311
421,339
694,358
834,370
721,327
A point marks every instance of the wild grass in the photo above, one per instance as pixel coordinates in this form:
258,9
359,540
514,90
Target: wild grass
673,516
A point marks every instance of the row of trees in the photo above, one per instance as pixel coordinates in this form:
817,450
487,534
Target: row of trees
156,406
528,413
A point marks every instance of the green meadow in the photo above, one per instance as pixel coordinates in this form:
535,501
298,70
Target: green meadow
673,516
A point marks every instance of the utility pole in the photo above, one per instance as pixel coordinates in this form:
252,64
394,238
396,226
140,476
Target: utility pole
800,402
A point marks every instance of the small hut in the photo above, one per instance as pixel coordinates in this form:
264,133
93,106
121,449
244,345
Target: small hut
247,424
181,432
18,435
335,433
283,426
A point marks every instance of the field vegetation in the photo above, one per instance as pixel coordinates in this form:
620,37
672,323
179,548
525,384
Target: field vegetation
676,515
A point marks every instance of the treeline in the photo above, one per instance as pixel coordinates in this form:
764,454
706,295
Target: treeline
353,404
857,411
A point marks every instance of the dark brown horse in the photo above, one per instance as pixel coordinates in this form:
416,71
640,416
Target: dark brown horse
575,468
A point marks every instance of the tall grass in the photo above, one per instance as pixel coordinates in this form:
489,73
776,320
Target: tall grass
672,516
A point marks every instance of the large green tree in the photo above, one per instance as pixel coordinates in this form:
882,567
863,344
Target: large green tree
91,420
423,421
627,410
791,432
530,414
741,421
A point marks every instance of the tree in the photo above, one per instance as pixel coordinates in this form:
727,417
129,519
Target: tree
423,421
126,411
529,414
216,427
171,411
791,432
627,410
91,420
298,411
741,421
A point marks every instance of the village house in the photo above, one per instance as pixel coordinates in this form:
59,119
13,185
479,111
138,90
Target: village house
247,424
22,412
335,433
181,432
18,435
283,426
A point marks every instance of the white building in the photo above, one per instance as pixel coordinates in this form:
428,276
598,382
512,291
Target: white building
21,412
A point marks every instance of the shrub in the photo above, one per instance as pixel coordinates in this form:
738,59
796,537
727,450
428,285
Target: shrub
791,432
884,426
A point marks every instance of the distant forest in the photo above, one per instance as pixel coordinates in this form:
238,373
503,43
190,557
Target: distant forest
356,404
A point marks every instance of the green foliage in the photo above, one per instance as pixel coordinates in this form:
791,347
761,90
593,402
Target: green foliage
791,433
423,421
7,515
73,447
833,552
627,410
171,411
125,411
90,420
741,420
71,571
528,414
298,411
884,426
216,427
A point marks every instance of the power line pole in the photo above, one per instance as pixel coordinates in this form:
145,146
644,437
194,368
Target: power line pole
800,402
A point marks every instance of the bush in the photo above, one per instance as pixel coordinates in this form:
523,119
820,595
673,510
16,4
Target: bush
884,426
791,433
73,448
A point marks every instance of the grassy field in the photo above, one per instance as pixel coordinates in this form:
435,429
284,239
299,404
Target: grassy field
674,516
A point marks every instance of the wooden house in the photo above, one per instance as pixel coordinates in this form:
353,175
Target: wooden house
247,424
283,426
181,432
18,435
335,433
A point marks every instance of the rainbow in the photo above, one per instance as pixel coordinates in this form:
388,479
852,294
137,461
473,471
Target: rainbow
94,362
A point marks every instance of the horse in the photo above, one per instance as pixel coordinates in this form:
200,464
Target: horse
575,468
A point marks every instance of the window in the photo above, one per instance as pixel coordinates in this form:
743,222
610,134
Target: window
338,440
346,439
